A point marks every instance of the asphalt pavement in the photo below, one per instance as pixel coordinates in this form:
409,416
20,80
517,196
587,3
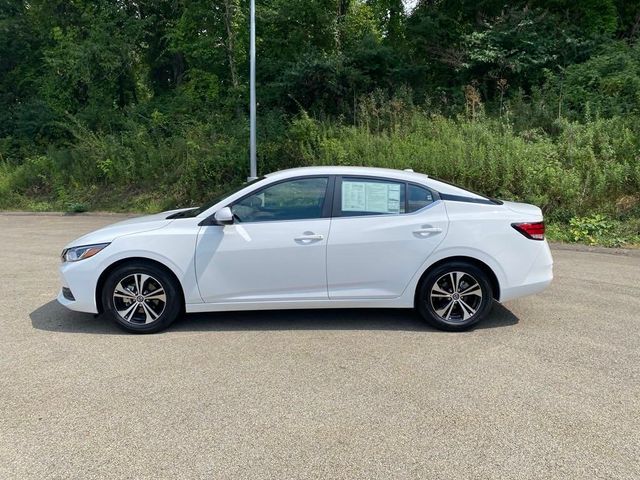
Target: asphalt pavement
547,387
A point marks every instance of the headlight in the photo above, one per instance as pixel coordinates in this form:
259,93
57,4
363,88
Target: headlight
74,254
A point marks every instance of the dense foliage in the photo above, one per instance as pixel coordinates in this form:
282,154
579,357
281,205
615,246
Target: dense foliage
142,105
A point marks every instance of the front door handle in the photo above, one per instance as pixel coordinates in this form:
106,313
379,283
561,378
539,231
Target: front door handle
308,237
427,231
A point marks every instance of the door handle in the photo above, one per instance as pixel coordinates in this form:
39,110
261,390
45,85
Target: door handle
308,237
427,231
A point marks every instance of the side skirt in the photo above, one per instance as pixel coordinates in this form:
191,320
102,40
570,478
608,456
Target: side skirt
400,302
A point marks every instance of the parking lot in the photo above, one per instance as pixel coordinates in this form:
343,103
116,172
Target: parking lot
549,387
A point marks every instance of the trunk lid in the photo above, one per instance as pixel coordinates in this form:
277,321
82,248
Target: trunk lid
525,209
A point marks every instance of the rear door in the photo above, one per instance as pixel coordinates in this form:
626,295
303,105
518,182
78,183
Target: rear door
382,231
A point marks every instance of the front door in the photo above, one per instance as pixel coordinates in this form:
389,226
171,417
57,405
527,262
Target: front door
274,251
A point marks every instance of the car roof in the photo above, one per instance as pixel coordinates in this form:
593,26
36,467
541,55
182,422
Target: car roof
404,175
408,174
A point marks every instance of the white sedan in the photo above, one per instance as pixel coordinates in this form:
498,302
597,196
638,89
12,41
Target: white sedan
316,237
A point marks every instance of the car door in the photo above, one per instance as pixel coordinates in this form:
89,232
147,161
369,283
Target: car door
382,231
276,248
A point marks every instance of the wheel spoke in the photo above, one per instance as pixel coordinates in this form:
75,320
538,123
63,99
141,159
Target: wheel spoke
467,311
157,294
438,289
453,304
143,281
472,290
140,279
162,298
455,278
123,292
128,312
446,311
150,315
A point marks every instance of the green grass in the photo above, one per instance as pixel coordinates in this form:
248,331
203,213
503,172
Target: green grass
585,177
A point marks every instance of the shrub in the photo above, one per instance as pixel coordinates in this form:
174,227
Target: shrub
580,170
588,229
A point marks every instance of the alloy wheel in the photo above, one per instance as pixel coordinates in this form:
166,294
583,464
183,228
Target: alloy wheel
139,298
456,296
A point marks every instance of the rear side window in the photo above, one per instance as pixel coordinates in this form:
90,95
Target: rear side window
290,200
419,197
364,196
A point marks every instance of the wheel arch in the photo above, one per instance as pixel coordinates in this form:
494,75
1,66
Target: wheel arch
493,279
107,271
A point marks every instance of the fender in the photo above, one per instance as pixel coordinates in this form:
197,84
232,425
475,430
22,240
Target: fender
409,292
185,275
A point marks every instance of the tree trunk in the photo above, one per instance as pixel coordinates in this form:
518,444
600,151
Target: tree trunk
229,10
634,29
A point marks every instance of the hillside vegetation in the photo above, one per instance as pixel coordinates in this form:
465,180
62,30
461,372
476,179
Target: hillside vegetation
142,106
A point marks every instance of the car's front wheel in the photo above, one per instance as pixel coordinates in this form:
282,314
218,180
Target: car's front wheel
141,297
454,296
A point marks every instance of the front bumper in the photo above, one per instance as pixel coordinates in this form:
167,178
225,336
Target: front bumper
80,278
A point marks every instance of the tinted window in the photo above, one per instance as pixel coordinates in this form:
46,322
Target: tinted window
291,200
360,196
419,197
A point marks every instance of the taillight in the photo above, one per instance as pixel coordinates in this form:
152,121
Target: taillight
534,231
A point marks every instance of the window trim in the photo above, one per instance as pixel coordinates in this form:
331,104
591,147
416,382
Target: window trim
465,199
332,207
337,196
326,207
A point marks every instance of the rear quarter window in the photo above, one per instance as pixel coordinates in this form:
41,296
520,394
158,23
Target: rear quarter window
418,198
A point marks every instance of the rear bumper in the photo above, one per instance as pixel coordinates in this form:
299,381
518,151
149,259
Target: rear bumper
537,279
524,290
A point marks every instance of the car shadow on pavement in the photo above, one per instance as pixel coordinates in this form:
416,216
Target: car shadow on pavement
55,318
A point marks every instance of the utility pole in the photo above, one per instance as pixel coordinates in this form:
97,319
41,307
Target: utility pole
253,167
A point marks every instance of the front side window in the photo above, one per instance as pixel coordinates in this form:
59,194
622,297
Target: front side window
361,196
290,200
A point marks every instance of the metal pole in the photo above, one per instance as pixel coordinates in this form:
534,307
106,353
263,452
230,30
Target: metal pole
253,168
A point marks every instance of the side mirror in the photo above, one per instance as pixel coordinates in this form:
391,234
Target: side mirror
224,216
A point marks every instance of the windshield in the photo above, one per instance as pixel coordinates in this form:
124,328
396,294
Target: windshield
194,212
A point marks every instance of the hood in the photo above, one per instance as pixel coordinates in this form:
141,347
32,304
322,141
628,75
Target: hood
524,209
126,227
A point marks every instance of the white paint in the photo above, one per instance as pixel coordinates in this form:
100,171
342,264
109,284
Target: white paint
371,261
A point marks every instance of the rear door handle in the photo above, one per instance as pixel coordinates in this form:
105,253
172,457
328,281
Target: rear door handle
425,232
308,237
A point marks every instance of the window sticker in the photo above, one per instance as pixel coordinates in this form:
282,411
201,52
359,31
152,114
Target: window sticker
372,197
353,197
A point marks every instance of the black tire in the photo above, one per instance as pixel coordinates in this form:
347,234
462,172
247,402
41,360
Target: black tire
141,312
442,308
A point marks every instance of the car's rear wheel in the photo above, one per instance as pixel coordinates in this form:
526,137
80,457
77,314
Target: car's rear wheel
454,296
141,298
